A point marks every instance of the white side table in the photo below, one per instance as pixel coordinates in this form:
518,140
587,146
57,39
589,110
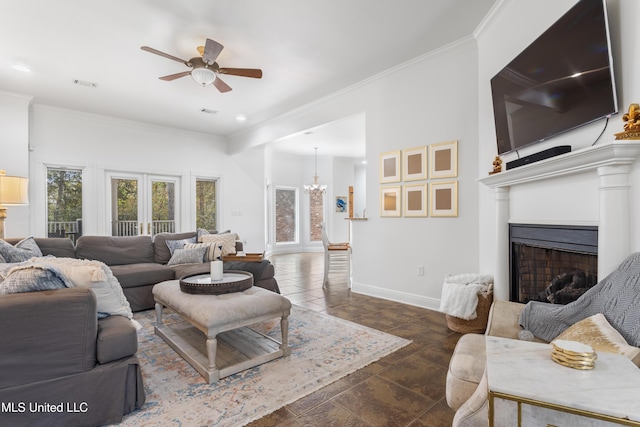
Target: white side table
527,388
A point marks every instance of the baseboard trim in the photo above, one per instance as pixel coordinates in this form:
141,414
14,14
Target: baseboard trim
403,297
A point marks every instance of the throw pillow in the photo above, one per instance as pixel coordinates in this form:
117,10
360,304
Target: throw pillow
2,260
227,241
599,334
22,251
212,253
188,256
29,277
179,244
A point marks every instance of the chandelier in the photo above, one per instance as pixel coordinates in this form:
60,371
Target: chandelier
315,186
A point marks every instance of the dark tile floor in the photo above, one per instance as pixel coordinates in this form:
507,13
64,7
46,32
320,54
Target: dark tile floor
406,388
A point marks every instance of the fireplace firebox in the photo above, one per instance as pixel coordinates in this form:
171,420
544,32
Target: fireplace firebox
552,263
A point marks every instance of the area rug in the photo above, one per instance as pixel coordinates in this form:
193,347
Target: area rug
323,349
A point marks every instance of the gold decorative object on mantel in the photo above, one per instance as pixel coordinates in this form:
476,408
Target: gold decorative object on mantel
497,165
632,124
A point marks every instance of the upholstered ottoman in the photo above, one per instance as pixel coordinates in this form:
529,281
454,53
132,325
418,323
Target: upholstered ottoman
229,346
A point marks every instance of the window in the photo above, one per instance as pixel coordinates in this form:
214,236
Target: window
64,202
206,204
316,214
286,215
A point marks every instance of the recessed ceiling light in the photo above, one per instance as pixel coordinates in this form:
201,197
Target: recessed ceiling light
23,68
241,118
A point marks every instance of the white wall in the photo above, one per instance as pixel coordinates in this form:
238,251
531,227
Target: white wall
100,144
429,100
513,27
14,154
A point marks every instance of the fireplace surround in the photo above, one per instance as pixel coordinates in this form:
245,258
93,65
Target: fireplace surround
609,163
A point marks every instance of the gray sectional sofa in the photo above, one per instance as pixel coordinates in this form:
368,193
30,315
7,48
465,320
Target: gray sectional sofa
55,351
139,262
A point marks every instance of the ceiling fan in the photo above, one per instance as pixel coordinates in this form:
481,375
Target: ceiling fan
204,68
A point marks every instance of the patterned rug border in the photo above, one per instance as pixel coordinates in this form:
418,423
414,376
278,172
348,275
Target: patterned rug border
313,353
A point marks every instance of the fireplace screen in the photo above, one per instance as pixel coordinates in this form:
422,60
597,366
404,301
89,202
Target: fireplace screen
551,263
552,275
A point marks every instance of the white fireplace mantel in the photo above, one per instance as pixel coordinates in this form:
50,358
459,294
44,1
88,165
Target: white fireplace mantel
612,162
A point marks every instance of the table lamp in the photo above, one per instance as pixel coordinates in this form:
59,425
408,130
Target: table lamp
14,191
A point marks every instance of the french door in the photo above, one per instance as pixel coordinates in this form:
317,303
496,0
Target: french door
142,204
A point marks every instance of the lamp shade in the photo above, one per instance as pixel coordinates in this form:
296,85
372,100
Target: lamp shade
14,190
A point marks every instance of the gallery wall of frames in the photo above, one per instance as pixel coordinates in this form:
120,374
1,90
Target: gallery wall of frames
419,182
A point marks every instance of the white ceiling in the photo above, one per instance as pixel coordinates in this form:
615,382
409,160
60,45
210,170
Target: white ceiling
306,49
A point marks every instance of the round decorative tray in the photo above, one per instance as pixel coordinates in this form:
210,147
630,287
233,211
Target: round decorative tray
232,281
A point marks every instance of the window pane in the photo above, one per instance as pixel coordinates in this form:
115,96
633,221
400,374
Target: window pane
316,214
125,207
206,204
286,215
64,203
163,206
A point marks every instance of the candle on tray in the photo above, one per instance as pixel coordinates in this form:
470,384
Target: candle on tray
216,270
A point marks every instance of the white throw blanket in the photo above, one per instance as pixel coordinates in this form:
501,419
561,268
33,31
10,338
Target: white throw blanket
96,276
460,294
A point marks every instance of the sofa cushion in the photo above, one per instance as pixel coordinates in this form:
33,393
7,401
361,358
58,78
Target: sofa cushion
162,254
22,251
133,275
466,369
56,246
117,338
116,250
182,270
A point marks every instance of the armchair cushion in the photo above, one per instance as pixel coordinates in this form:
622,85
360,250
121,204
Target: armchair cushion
466,369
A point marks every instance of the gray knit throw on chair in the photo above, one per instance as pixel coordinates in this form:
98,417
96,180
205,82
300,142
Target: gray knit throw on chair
617,296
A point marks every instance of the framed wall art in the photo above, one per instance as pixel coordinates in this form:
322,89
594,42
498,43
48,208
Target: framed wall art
414,163
414,200
341,204
390,167
390,198
443,160
443,199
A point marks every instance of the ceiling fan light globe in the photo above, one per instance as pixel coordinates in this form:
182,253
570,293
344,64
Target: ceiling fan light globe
204,76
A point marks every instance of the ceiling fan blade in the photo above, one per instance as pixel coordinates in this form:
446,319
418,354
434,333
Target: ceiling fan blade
166,55
221,86
211,51
175,76
244,72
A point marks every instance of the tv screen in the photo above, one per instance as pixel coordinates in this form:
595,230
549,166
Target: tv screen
563,80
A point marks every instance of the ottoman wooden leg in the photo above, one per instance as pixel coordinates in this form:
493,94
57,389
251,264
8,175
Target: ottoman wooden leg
284,327
159,308
212,348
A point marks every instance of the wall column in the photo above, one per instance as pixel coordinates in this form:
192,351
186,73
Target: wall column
501,276
613,230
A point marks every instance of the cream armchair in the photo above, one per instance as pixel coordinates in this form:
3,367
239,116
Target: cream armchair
466,380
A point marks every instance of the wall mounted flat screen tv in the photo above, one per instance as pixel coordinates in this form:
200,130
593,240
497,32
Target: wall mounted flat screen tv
563,80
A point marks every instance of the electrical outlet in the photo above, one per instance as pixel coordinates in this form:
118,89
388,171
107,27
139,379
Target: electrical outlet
421,270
